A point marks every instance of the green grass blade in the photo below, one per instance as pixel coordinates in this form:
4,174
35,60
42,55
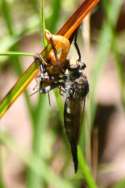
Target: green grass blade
8,19
59,103
44,43
2,185
43,24
5,44
16,53
120,70
120,184
56,9
85,170
35,5
21,85
18,88
40,127
40,118
35,163
105,44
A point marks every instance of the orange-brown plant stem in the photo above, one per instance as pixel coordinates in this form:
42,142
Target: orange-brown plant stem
75,20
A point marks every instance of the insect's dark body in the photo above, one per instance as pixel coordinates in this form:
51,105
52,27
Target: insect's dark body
76,92
74,85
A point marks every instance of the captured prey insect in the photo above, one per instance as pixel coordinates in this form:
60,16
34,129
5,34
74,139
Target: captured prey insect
72,83
53,69
57,57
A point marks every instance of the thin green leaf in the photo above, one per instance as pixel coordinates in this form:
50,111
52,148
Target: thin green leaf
35,5
105,44
85,170
2,185
44,43
59,104
18,88
5,44
120,184
16,53
38,142
56,9
120,70
35,163
8,42
43,24
40,119
8,18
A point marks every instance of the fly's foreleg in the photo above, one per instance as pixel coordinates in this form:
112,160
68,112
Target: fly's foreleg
77,47
82,64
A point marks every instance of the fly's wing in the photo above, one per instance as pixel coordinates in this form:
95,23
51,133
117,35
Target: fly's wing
73,111
72,118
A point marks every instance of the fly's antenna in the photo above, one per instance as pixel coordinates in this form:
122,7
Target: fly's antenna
82,64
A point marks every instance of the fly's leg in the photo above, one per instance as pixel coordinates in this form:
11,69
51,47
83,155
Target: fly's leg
37,83
49,98
83,65
46,87
77,47
62,91
38,60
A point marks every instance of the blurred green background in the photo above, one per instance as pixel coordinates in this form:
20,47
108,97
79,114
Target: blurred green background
34,151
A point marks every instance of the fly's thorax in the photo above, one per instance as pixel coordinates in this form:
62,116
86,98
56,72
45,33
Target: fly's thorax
81,86
77,89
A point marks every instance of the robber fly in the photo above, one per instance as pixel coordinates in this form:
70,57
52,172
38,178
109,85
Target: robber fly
72,82
76,91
